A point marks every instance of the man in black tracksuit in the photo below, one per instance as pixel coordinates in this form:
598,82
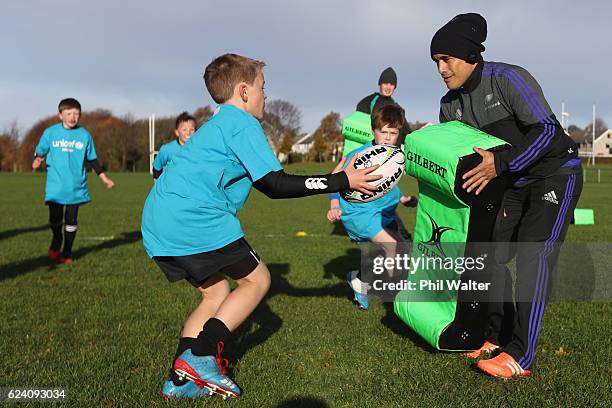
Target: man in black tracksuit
546,181
387,82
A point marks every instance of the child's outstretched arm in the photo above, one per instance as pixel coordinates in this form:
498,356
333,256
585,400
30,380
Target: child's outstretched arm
278,184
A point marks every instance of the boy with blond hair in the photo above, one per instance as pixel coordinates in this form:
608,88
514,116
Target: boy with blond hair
190,228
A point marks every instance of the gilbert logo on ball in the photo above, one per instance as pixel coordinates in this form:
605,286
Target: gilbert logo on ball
391,160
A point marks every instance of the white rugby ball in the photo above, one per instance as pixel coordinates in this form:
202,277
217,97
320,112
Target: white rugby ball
391,160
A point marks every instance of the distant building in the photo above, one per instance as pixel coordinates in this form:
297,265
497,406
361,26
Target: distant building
303,145
603,145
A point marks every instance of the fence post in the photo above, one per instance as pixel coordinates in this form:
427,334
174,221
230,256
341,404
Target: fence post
598,176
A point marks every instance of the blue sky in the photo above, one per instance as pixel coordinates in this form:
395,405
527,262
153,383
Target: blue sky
143,57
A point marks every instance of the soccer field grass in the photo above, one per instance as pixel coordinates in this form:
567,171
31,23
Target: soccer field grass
105,327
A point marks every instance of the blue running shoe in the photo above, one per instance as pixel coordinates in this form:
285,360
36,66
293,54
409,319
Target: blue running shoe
187,390
360,289
207,371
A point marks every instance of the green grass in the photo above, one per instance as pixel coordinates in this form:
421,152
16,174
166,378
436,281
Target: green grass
106,326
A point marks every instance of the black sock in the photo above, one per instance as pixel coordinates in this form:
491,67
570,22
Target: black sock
185,343
212,333
56,242
68,241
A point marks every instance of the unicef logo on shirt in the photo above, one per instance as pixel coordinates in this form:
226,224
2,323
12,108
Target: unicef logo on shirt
68,145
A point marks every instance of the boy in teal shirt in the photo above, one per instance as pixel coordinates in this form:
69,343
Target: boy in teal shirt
375,221
67,148
189,223
185,127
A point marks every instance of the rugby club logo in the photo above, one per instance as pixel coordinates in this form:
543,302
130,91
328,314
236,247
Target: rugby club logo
315,183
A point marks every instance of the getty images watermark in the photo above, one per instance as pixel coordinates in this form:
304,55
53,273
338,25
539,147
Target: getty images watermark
405,265
434,272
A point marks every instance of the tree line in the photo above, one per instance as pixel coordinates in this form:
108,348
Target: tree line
122,143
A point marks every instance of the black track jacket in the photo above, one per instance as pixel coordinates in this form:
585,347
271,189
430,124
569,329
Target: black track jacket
505,101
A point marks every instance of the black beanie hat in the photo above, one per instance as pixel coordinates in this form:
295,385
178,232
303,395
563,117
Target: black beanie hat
462,37
388,76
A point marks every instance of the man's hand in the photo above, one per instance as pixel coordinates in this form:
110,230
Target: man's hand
479,176
107,181
409,201
37,162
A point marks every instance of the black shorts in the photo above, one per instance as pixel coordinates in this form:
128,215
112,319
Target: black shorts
235,260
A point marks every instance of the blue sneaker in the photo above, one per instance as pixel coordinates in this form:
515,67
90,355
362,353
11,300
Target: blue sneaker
208,372
187,390
360,289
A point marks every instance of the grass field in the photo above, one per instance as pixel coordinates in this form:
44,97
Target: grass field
105,327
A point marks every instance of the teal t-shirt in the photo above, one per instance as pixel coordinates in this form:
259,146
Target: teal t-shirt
66,151
193,205
166,153
363,221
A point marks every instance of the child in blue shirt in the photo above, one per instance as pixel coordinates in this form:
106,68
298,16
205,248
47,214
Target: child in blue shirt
191,230
375,221
67,148
184,128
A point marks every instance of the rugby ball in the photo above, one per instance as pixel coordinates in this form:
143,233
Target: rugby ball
391,160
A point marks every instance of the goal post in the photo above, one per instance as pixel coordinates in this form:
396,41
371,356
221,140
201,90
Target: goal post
152,151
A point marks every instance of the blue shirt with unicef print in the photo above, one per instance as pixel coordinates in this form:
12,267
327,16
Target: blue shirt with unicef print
66,151
192,206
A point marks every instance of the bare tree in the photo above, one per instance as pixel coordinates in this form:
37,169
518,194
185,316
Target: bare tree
289,116
280,117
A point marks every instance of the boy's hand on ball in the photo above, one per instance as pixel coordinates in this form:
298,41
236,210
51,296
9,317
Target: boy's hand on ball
359,179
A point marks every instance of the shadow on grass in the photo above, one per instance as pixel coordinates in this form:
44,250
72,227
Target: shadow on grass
339,229
397,326
263,322
18,231
306,402
15,269
339,266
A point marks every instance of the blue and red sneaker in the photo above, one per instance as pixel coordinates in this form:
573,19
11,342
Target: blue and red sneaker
187,390
207,372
